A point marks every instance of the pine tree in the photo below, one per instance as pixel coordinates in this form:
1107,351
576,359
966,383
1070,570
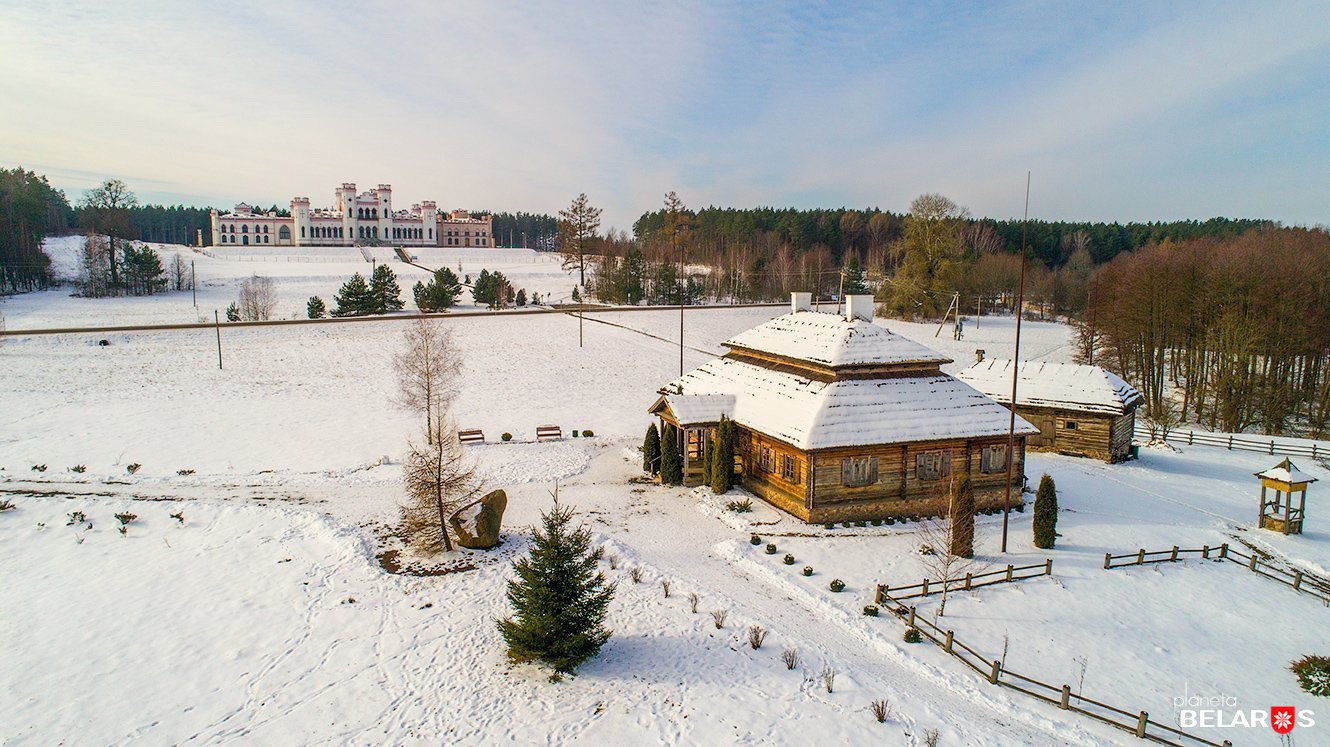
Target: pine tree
385,295
559,597
440,294
721,476
651,451
961,510
671,465
577,295
1045,514
233,312
316,309
521,297
354,298
854,284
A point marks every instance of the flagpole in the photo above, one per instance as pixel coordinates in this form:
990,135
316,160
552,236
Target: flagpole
1015,368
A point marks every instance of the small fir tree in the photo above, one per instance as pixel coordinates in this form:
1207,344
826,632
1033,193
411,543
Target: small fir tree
961,508
721,476
316,308
671,464
520,299
385,295
577,295
854,284
233,312
1045,514
440,293
354,298
651,451
559,597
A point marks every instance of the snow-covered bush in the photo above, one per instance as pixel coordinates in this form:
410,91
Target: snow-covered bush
836,585
635,573
791,658
135,467
718,617
756,634
184,472
771,548
6,504
693,599
1313,674
75,517
665,587
79,469
506,437
870,610
39,468
788,559
881,710
754,540
912,635
740,507
808,570
829,678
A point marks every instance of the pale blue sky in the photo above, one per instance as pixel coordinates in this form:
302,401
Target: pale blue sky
1123,111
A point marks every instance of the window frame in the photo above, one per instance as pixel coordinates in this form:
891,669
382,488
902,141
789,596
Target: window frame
859,471
931,465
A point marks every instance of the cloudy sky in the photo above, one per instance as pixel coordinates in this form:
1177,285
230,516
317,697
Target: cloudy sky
1122,111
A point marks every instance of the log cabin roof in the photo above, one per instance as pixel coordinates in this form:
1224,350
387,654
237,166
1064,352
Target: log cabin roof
831,340
814,414
1063,386
1286,472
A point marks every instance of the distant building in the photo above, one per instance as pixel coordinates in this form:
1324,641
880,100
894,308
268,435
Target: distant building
1079,410
839,419
354,219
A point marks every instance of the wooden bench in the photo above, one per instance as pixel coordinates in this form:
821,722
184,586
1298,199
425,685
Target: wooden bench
473,436
549,433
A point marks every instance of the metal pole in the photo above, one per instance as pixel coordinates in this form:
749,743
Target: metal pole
217,322
193,285
1015,367
681,290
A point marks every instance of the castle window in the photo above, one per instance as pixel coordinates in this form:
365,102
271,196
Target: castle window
244,229
302,232
932,465
857,472
993,459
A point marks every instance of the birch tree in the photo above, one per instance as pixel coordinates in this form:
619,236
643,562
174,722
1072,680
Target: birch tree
427,365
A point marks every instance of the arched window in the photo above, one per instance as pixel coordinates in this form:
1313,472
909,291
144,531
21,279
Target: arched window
302,232
265,239
244,229
265,228
284,233
244,239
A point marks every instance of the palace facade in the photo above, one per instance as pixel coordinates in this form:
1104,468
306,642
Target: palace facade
355,219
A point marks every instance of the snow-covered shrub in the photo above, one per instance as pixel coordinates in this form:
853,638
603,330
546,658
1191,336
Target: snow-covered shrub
587,434
1313,674
39,468
756,634
931,737
808,570
718,617
6,504
912,635
876,522
506,437
75,517
135,467
890,521
635,573
754,540
927,550
791,658
829,678
613,560
79,469
125,518
740,507
830,525
881,710
836,585
693,599
771,548
788,559
870,610
179,516
665,587
184,472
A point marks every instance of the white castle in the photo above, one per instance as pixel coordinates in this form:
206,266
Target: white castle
364,218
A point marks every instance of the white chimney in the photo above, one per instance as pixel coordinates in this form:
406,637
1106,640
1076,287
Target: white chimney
801,302
859,307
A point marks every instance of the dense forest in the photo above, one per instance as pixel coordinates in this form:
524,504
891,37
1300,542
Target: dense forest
531,230
30,210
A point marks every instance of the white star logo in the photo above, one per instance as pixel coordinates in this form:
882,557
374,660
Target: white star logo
1283,720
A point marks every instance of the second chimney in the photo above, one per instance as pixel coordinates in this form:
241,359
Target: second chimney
859,307
801,302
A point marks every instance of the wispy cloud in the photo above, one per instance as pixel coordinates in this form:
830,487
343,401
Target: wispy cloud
1123,111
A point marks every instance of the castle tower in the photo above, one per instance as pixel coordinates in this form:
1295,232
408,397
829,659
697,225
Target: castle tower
429,220
346,203
384,200
300,219
216,227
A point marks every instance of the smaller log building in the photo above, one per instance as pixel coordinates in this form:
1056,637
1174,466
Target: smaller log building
1079,410
839,419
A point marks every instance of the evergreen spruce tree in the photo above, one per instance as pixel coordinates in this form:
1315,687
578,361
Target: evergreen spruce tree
721,476
559,598
1045,514
651,451
441,293
521,297
961,510
354,298
671,464
854,284
316,309
577,295
385,295
233,312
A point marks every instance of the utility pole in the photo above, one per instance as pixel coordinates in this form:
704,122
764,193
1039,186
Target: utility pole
681,290
1015,369
217,321
193,285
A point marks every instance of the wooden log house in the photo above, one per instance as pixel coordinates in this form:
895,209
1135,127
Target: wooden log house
839,419
1079,410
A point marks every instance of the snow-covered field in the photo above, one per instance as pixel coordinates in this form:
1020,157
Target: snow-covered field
238,624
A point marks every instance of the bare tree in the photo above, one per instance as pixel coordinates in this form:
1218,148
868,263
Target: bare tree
179,273
936,539
258,298
439,479
577,229
428,366
95,266
106,209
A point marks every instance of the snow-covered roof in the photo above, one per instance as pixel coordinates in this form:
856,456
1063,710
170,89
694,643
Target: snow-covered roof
832,340
1286,471
1062,385
811,414
701,408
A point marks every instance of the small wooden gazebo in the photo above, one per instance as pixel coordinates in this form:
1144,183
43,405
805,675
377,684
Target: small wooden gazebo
1281,513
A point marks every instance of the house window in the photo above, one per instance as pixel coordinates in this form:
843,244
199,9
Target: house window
766,460
856,472
789,469
932,465
993,459
1070,425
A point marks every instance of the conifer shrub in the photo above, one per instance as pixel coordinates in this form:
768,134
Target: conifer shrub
876,522
6,504
720,475
1045,523
233,312
1313,674
39,468
788,559
75,517
861,524
836,585
740,507
574,434
559,598
651,451
870,610
754,540
912,635
808,570
830,525
961,516
79,469
771,548
671,463
889,521
506,437
135,467
587,434
315,308
846,524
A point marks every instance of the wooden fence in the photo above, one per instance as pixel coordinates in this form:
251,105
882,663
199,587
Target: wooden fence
1296,580
1271,446
965,583
1138,723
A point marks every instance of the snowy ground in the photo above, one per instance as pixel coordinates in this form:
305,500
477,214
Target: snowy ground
238,625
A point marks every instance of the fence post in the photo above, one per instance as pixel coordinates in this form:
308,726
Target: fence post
1272,447
1140,557
1107,558
911,616
925,587
947,646
1009,569
968,578
1205,552
1190,435
1141,723
1252,565
1174,556
1048,567
1230,443
1223,551
993,675
1066,697
1313,451
1297,580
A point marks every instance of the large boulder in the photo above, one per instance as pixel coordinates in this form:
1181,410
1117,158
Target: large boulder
477,523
